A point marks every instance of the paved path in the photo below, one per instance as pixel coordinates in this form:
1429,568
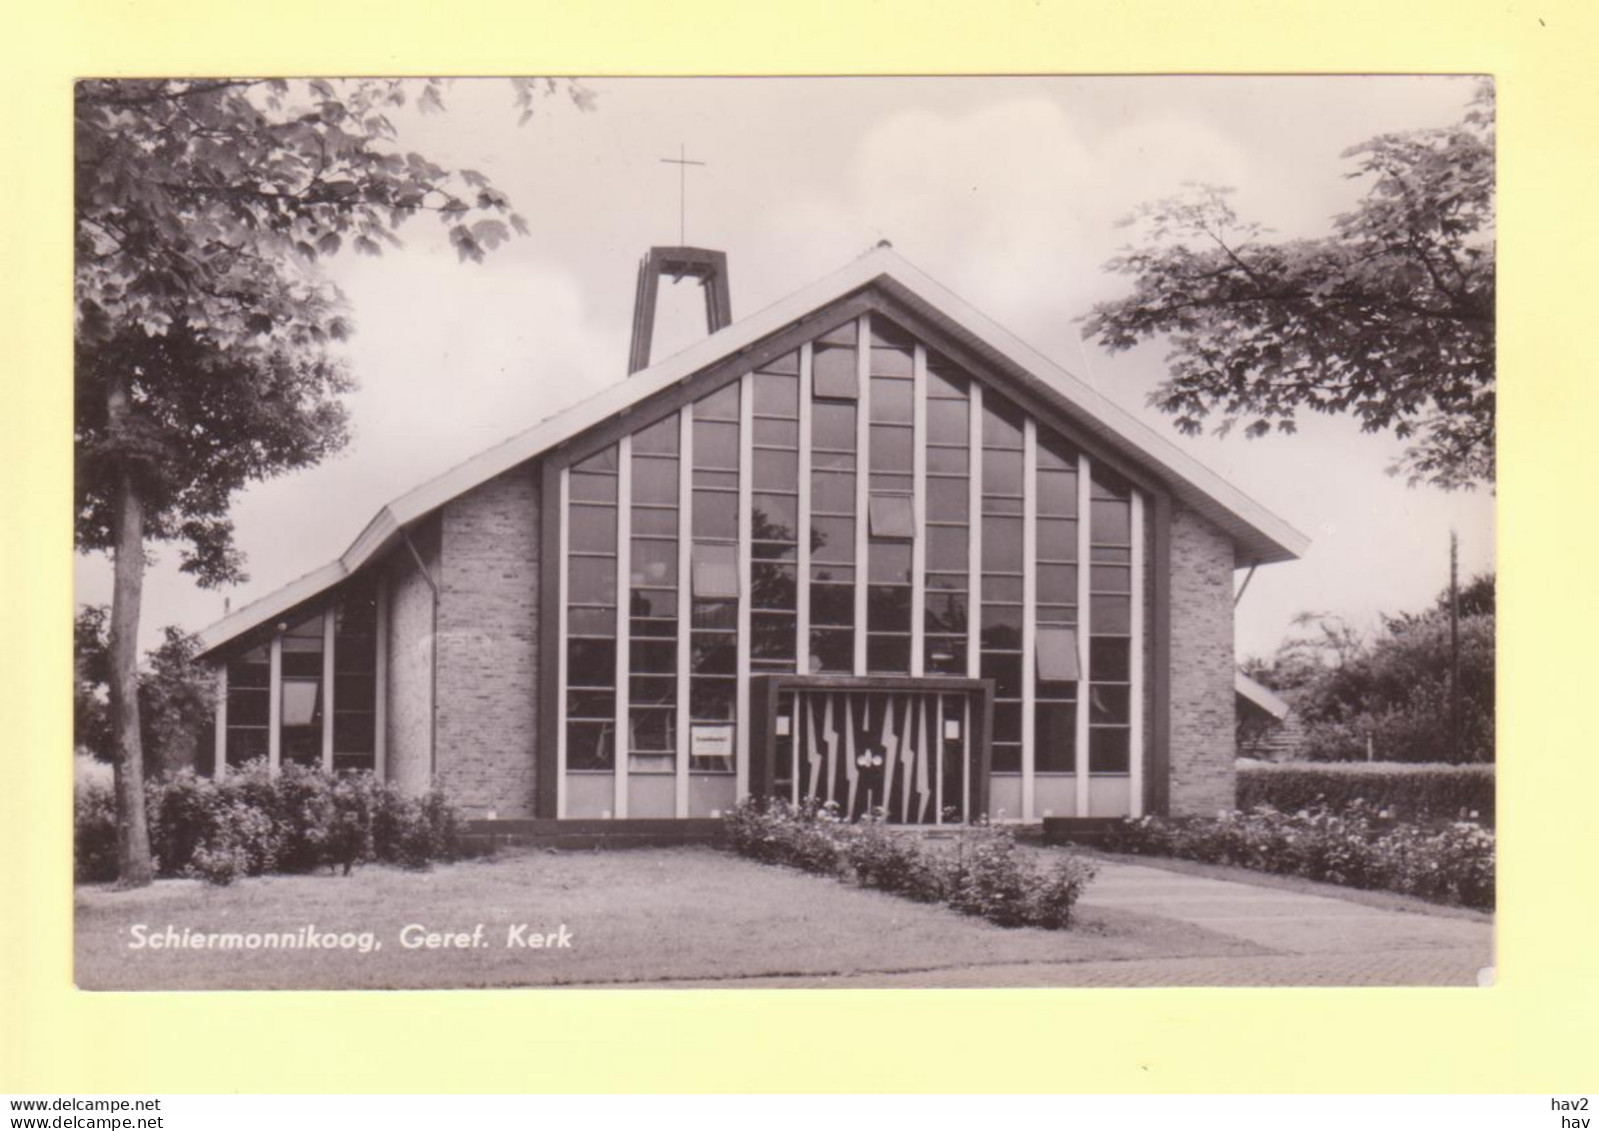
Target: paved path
1313,940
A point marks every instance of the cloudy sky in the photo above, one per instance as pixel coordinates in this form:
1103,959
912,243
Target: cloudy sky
1005,190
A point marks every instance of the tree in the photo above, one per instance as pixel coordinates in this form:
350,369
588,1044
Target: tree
202,208
1390,318
176,695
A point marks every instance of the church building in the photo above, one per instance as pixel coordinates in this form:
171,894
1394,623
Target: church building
863,546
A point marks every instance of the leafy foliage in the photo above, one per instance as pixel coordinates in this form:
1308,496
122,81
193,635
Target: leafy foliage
1453,864
1407,791
984,873
1394,687
1390,318
176,695
251,822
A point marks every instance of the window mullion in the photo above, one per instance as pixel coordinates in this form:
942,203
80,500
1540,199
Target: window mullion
863,463
746,461
563,570
685,599
622,744
919,511
1029,609
1084,627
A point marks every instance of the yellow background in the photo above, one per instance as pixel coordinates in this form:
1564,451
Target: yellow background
1537,1030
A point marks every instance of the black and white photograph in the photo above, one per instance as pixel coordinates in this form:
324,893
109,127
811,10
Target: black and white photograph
827,532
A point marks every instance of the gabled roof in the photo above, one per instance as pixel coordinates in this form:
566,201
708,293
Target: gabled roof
1260,695
1260,536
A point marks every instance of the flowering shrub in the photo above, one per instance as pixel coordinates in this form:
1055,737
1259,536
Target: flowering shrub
1408,791
1348,847
251,822
981,873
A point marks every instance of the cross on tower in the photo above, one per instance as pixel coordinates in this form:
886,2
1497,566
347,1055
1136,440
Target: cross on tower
682,162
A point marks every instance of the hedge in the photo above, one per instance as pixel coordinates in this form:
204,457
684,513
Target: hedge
1406,791
981,873
250,822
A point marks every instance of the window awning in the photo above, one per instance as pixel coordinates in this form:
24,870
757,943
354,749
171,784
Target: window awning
715,571
1057,655
891,516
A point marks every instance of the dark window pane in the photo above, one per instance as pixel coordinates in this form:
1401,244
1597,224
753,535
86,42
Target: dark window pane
593,488
946,613
1055,737
726,479
774,552
1002,423
652,730
599,461
833,492
355,691
1110,554
712,699
779,433
777,395
948,548
891,448
1057,585
249,674
653,612
948,500
586,621
1057,539
772,586
592,581
655,481
886,334
715,515
1109,659
717,614
590,704
354,733
591,663
720,405
659,438
1106,484
653,656
946,655
948,422
589,746
1107,750
1057,494
1002,473
650,520
248,706
957,581
772,636
714,654
302,663
1007,758
832,605
1111,579
892,363
945,379
999,588
833,426
774,518
1112,521
654,563
1006,672
950,461
888,608
893,401
844,334
832,650
890,562
1002,544
1002,627
715,444
834,373
776,471
890,654
833,540
1007,722
1054,453
1110,616
593,530
1108,703
652,689
789,363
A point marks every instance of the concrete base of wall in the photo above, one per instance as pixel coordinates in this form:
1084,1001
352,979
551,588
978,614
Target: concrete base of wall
579,834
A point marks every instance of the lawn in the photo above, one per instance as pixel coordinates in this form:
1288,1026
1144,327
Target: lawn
647,915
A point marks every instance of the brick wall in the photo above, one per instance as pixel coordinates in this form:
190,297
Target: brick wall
488,645
410,659
1203,732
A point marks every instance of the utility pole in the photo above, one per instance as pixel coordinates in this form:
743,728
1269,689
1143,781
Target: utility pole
1454,645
